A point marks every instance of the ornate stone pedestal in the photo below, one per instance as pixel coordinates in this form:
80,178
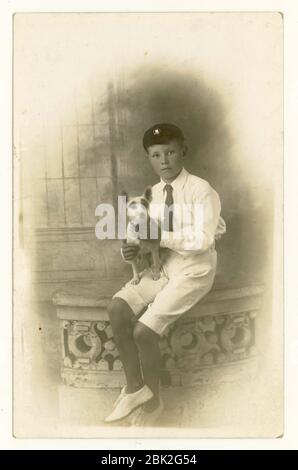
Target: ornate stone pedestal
212,338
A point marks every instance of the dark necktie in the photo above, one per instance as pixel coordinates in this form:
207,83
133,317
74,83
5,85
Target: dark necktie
168,214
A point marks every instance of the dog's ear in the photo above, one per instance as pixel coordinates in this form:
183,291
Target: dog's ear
148,193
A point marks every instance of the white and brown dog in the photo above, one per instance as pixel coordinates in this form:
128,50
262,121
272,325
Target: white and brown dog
143,231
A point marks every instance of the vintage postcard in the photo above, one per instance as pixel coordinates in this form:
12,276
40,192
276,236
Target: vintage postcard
148,224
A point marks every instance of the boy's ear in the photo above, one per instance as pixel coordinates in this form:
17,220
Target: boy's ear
185,150
148,193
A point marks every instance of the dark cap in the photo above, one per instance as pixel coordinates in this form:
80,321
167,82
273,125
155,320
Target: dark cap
161,134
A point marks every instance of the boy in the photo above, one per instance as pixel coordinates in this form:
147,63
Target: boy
188,259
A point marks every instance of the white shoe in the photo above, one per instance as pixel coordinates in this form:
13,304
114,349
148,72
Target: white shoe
144,418
122,395
129,402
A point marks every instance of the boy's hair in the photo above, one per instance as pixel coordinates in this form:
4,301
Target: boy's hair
162,134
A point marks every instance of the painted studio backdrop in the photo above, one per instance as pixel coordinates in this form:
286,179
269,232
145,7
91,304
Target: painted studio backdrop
86,87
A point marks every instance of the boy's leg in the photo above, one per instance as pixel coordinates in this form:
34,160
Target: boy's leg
148,344
130,301
120,318
176,298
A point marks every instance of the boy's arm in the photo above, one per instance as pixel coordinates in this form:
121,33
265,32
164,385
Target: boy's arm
199,235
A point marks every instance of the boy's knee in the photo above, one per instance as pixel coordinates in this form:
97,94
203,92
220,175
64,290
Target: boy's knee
113,309
120,316
143,335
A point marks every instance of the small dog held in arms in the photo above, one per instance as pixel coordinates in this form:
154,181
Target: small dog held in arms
143,231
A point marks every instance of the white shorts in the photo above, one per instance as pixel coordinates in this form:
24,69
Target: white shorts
184,281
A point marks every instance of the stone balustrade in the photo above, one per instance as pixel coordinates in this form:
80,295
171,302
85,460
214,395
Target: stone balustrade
217,332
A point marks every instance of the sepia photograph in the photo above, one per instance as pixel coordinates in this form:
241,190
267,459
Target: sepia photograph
148,225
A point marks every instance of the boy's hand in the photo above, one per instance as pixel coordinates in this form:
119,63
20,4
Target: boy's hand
129,251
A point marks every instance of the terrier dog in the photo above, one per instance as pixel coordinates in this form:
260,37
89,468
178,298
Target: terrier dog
143,231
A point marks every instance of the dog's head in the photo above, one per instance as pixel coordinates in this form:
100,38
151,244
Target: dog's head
138,207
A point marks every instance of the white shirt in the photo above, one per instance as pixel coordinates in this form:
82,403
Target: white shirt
196,221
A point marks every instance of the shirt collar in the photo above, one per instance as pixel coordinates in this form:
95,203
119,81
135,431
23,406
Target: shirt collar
178,182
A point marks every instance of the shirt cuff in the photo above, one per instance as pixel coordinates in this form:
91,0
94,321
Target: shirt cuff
186,243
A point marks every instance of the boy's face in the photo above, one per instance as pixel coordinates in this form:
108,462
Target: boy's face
167,159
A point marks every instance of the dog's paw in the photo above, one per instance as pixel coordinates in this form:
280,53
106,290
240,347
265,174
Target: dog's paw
135,281
155,276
